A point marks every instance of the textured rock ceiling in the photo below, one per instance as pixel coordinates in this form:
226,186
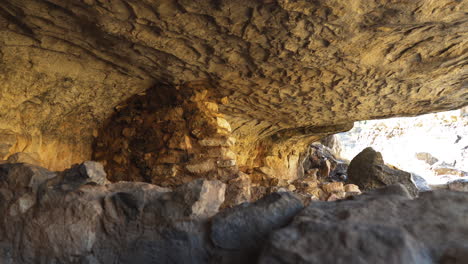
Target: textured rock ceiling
64,65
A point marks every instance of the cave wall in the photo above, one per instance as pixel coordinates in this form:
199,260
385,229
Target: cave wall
286,67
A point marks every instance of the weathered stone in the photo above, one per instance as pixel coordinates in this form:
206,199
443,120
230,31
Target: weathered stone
317,192
201,197
201,167
351,188
223,123
87,172
226,163
245,226
368,171
238,190
134,221
217,142
358,234
458,185
333,187
58,88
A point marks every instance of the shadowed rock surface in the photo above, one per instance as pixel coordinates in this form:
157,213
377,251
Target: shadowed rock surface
381,226
47,219
368,171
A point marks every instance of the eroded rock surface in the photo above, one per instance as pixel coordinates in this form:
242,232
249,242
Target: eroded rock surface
287,68
382,226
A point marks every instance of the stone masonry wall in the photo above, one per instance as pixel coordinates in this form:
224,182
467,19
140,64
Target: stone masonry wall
167,136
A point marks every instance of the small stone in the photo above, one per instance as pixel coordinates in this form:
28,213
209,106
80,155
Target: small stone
223,123
201,167
219,152
176,113
128,132
199,95
311,176
217,142
225,100
317,192
291,187
349,194
352,188
238,190
333,187
274,182
180,141
169,158
458,185
226,163
167,170
211,106
336,196
312,184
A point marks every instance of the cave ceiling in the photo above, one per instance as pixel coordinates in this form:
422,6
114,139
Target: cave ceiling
275,65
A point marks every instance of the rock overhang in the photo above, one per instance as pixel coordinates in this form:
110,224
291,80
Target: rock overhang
285,67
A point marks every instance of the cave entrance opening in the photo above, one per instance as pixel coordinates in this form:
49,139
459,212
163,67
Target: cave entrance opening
432,146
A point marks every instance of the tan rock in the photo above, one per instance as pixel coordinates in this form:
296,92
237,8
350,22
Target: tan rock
352,188
223,123
218,142
201,167
169,158
211,106
291,187
219,152
312,173
333,187
349,194
238,190
128,132
317,192
226,163
336,196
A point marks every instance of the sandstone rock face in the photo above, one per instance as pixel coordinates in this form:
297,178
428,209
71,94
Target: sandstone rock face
48,217
353,232
283,69
368,171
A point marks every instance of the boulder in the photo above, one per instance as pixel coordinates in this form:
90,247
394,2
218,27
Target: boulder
201,198
244,226
238,190
460,185
86,172
136,222
377,227
368,171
